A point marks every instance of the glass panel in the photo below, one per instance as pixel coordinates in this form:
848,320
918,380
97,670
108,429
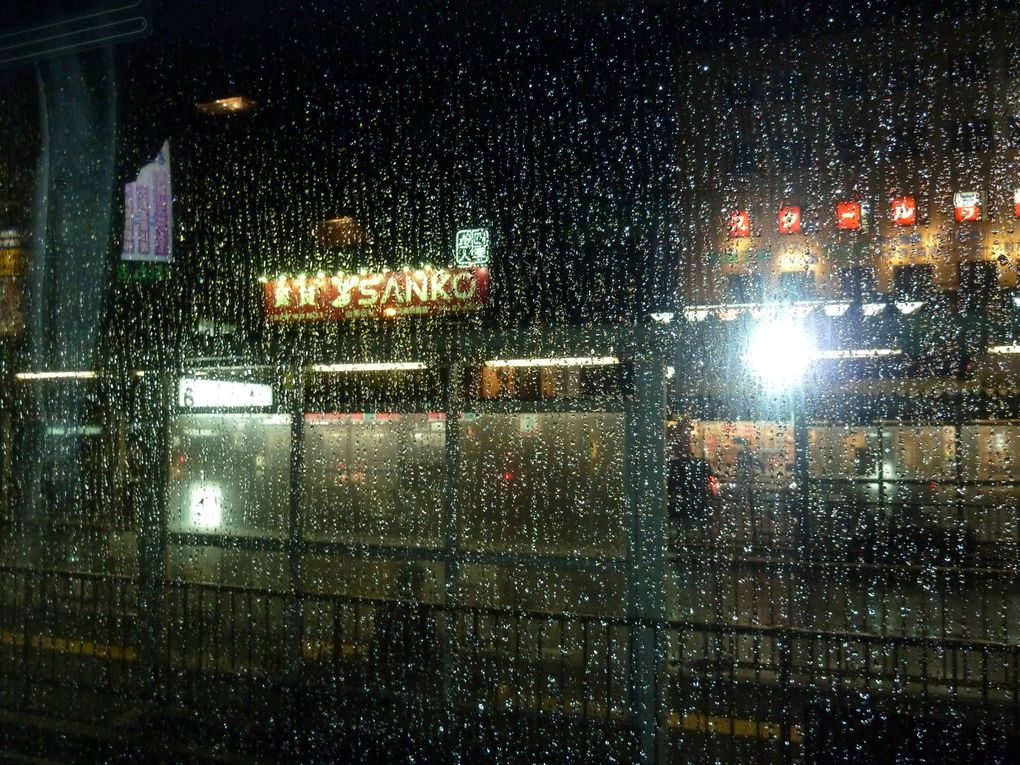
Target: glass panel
542,483
374,478
230,474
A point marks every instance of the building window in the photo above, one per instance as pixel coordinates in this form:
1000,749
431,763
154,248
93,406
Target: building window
741,158
908,139
857,283
852,146
794,153
972,135
913,282
969,69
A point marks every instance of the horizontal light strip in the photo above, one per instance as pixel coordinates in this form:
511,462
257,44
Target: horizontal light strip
79,375
1004,349
566,361
371,366
857,353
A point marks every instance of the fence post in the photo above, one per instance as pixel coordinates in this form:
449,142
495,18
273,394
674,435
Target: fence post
646,487
152,532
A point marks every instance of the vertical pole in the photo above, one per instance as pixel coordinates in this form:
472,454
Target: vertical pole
155,392
801,471
293,612
452,404
645,413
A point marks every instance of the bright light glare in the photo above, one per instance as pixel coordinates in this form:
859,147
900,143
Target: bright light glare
206,511
75,375
779,353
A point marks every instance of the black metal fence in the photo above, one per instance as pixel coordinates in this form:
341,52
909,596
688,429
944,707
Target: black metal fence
301,675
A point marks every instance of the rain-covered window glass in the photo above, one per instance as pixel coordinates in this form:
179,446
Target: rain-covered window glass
514,382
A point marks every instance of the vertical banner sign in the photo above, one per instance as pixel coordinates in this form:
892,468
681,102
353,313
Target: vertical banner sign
739,225
11,257
789,220
904,211
848,215
148,214
1016,202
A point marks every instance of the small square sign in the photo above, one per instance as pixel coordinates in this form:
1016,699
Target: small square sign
472,247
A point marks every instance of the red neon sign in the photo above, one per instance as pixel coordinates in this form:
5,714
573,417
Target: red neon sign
848,215
967,205
904,211
739,225
789,220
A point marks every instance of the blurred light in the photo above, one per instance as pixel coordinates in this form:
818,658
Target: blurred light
231,105
1004,349
371,366
870,309
343,231
662,317
835,309
263,279
389,312
206,507
670,372
1016,300
202,393
79,375
906,308
857,353
566,361
779,352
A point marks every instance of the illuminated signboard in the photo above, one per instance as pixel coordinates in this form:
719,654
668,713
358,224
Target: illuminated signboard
848,215
471,247
904,211
381,295
967,205
1016,202
739,224
789,220
200,393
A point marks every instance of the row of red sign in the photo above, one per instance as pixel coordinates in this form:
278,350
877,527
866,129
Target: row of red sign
967,206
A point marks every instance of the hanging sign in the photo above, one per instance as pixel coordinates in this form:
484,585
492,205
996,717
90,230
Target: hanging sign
148,216
739,225
789,220
904,211
11,263
1016,202
848,215
967,205
382,295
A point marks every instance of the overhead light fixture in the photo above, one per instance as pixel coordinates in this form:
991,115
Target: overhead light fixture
1004,349
76,375
371,366
910,307
870,309
857,353
835,309
779,352
662,317
565,361
231,105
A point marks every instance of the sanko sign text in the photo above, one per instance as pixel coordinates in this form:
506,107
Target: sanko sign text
377,295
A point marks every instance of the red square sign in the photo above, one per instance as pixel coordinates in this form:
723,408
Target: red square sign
739,225
904,211
848,215
789,220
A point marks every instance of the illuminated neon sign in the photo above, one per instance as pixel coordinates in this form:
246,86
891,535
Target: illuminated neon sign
739,225
380,295
848,215
967,205
789,220
904,211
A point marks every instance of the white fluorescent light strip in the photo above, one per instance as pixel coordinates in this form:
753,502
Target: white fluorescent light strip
371,366
568,361
1004,349
858,353
79,375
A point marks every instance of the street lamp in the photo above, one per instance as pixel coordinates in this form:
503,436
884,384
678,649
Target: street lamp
779,352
